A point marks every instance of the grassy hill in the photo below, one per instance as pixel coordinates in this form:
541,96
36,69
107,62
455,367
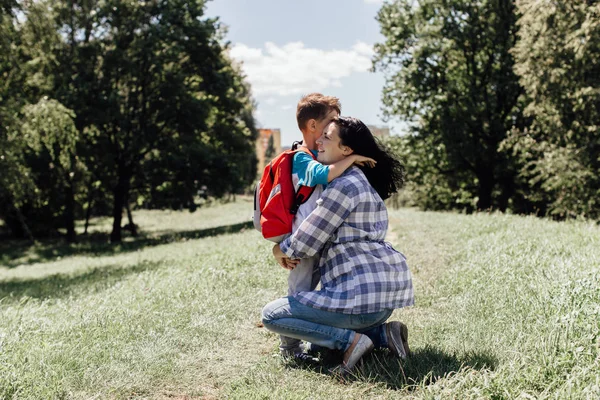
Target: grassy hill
507,307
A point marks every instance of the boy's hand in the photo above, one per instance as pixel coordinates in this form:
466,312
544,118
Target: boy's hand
289,264
284,260
363,161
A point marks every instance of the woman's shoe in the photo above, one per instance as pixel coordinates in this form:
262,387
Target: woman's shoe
397,337
363,346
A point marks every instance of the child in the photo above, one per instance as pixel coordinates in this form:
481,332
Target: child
314,112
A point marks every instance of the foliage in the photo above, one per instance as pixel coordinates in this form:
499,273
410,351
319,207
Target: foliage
166,86
16,184
49,127
428,182
450,74
558,61
42,141
159,110
50,134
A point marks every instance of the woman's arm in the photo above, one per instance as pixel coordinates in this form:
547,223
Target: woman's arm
311,172
334,206
336,169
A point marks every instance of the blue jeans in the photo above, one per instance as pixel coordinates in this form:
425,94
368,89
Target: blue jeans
287,316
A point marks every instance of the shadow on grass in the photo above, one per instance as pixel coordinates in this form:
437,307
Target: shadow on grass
14,253
424,367
59,286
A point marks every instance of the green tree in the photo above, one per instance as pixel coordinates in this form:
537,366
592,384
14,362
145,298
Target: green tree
428,181
558,61
166,83
49,130
450,74
16,185
163,104
148,93
38,182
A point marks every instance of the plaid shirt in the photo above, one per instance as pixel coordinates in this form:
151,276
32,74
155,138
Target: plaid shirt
360,273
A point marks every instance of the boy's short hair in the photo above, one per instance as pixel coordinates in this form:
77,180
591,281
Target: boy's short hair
315,106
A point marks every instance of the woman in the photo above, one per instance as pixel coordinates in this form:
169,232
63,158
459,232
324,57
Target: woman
363,279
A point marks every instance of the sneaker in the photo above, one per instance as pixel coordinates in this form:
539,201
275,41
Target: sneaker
316,350
397,338
297,356
289,353
303,358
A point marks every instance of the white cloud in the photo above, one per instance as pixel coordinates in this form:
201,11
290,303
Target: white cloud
374,1
294,69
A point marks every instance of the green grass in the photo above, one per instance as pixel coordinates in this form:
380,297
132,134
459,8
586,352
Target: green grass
507,307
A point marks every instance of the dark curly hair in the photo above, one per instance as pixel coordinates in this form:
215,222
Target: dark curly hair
387,177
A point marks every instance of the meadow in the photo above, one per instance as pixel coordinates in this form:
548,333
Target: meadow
507,307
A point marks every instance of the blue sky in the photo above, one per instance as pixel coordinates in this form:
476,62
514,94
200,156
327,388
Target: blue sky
290,47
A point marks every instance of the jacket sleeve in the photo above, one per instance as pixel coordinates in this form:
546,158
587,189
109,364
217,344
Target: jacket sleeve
334,206
310,172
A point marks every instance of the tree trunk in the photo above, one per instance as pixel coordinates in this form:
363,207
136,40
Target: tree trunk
17,224
70,212
12,223
14,219
132,227
508,190
485,187
88,212
119,193
115,235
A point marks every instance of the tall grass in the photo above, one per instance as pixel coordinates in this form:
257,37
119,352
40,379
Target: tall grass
507,307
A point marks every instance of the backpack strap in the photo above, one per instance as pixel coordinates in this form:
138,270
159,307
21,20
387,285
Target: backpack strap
304,192
296,144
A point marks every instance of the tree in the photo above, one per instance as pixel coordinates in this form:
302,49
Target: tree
153,83
165,83
140,102
16,185
38,183
49,129
450,74
425,186
558,61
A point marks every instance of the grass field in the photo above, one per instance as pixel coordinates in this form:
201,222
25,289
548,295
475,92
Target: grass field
507,307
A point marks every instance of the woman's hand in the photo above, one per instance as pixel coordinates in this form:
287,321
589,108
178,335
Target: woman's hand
284,260
363,161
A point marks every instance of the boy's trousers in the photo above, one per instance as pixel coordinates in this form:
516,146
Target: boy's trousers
303,278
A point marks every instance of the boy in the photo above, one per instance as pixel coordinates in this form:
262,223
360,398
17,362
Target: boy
313,113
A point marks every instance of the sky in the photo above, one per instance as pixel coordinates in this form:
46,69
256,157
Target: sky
289,48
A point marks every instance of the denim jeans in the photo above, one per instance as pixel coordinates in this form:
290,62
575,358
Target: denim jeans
287,316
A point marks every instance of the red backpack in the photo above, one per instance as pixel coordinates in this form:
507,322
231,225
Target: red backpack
275,200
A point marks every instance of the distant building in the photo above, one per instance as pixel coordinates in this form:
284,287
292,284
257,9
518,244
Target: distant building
262,144
380,132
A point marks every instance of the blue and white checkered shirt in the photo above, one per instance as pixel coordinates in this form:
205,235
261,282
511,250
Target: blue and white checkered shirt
360,273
